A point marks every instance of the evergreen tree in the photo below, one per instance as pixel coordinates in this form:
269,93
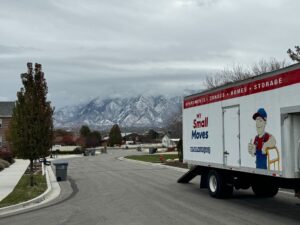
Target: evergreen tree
84,131
153,134
32,125
93,139
90,138
115,137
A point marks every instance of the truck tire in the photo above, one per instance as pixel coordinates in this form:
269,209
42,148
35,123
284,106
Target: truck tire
264,190
218,186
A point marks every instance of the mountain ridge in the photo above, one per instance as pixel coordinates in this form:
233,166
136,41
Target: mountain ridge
138,111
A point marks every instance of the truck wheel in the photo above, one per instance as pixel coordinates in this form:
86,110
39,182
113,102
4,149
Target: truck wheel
217,185
264,190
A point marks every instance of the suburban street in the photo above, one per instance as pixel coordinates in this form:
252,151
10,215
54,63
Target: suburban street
105,190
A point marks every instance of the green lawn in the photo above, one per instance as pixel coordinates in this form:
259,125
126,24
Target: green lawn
152,158
24,192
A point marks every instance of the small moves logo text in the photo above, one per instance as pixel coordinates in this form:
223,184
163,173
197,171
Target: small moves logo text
199,135
200,122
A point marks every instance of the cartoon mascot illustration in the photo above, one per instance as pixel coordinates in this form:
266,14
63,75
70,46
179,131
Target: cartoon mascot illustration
262,141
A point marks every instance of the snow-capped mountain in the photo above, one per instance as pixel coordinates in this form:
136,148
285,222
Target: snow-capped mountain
140,111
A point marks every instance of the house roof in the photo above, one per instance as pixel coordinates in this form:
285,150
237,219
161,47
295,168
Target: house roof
125,134
6,108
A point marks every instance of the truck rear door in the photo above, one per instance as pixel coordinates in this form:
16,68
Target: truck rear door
231,136
290,128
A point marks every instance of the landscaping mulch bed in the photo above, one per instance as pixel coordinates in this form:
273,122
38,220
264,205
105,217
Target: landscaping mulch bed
177,164
37,168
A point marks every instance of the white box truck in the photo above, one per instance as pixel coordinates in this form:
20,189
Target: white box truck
245,134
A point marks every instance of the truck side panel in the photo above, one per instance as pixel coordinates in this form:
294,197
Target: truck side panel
203,143
203,131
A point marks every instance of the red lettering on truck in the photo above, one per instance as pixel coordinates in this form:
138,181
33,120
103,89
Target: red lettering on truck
200,123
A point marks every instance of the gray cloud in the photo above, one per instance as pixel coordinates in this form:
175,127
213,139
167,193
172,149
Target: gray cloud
92,48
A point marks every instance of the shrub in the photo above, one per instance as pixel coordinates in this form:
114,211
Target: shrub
77,151
170,149
4,163
1,166
6,155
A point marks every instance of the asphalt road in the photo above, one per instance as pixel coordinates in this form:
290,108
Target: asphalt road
105,190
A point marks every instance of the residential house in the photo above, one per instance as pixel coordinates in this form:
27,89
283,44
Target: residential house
151,136
131,138
104,141
6,110
169,142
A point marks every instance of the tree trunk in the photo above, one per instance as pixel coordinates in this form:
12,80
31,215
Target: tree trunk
31,172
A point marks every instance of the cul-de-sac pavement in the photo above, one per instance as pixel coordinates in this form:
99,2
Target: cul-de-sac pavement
106,190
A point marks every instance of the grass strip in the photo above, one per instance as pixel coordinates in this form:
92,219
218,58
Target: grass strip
24,192
152,158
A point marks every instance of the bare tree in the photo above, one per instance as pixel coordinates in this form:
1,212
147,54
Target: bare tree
212,81
294,55
239,72
264,66
227,75
174,123
236,73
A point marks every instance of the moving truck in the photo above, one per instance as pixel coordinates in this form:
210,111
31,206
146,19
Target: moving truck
245,134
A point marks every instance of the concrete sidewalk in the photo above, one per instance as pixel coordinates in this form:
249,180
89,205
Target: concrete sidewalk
9,177
52,192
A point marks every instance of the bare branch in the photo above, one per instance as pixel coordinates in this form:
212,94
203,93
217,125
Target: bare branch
238,72
264,66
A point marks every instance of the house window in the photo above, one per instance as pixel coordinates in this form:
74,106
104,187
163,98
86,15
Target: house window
0,141
0,123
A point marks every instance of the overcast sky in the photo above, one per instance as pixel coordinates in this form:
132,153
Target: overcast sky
128,47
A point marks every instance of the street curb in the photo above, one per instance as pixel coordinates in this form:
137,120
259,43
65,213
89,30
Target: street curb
155,164
53,191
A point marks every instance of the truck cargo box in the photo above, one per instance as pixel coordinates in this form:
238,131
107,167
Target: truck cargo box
251,126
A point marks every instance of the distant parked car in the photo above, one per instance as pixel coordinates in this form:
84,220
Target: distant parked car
60,148
56,147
